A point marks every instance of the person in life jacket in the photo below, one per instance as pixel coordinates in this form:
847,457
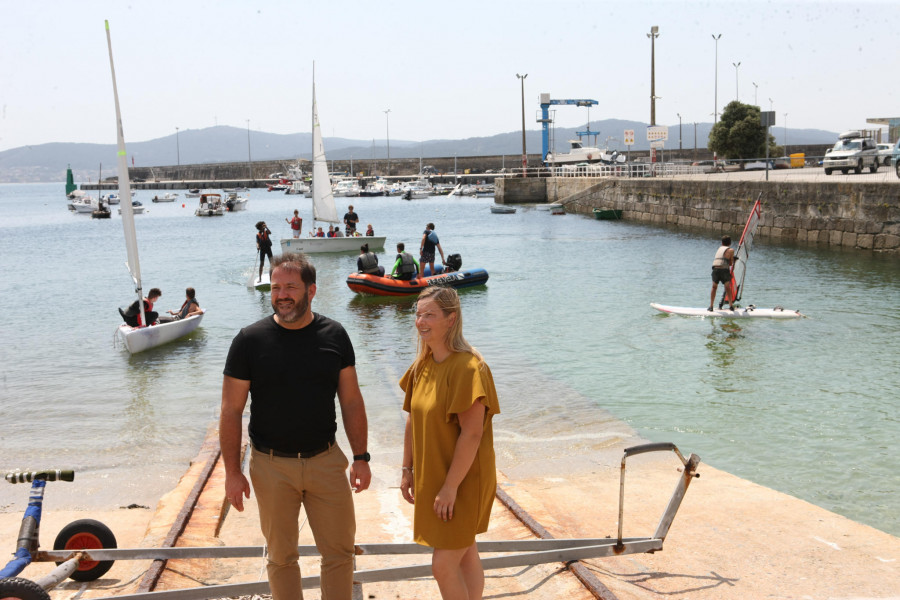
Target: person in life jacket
264,245
189,308
405,267
367,262
721,272
132,315
296,224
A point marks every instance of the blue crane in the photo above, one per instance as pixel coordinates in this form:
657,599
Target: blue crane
546,103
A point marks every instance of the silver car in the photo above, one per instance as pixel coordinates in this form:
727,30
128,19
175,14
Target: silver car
885,151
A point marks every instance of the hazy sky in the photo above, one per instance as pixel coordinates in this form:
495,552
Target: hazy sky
444,69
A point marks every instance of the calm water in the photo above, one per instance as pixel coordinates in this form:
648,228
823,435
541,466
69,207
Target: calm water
807,407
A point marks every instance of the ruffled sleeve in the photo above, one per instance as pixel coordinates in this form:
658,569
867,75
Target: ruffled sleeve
469,382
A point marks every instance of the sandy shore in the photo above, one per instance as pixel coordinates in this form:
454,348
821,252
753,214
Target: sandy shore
731,539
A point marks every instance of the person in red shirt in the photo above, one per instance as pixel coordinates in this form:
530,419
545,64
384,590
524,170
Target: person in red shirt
296,224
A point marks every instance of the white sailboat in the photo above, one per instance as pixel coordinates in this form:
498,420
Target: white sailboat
738,273
138,339
323,204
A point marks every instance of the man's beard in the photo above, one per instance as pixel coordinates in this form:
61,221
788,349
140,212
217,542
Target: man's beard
296,313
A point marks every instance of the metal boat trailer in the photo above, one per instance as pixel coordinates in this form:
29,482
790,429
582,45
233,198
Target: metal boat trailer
518,552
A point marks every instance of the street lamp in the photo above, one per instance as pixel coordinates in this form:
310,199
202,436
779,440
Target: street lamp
387,127
679,131
524,153
785,135
177,148
695,140
737,94
249,160
716,97
654,33
755,89
770,104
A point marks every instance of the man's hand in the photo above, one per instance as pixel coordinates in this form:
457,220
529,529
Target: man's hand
360,475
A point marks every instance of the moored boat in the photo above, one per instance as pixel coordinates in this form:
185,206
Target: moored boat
607,214
210,206
167,197
234,203
502,209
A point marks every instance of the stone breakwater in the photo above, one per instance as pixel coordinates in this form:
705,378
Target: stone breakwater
865,216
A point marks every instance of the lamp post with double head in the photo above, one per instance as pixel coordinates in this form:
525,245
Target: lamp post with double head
716,39
387,127
654,33
737,91
679,131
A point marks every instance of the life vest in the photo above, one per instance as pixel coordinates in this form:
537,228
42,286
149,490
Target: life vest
186,308
368,263
407,265
296,223
263,239
720,262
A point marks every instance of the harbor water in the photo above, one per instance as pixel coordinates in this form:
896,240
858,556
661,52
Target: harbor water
805,406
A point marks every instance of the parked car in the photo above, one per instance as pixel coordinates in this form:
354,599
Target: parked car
895,158
852,151
885,151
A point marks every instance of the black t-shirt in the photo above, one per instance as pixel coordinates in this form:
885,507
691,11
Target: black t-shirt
293,376
350,219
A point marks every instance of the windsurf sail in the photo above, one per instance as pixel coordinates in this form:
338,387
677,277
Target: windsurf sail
742,254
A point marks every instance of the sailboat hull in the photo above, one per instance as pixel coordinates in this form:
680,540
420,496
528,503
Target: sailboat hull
322,245
749,312
138,339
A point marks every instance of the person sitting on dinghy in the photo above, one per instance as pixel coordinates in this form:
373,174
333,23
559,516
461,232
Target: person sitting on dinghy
369,231
190,308
406,266
721,272
367,262
132,316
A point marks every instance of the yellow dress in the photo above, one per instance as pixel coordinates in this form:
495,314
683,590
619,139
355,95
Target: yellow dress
433,398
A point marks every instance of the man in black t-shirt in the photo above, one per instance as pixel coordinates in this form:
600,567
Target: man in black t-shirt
292,364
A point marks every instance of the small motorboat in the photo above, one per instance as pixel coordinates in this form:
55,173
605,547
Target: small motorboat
234,203
101,212
192,193
210,206
167,197
502,209
451,276
607,214
136,207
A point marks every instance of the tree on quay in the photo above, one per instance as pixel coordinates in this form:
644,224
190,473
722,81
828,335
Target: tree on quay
739,133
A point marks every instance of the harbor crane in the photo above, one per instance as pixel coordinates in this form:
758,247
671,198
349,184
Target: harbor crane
545,120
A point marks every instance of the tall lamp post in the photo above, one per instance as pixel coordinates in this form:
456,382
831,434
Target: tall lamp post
716,97
737,92
387,127
695,140
755,89
524,153
654,33
249,159
785,135
177,148
679,131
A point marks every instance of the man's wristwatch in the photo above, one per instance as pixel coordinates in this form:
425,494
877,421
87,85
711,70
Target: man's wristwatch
364,456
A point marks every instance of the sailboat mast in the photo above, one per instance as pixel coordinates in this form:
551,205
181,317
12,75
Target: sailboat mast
134,265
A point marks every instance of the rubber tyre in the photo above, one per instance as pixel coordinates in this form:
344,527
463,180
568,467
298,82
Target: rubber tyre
874,167
897,167
845,171
828,171
86,534
16,588
859,167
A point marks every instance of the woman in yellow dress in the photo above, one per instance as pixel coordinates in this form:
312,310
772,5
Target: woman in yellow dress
448,450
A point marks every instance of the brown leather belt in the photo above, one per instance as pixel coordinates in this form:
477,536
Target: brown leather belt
305,454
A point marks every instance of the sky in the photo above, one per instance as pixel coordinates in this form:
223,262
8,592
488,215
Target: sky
445,70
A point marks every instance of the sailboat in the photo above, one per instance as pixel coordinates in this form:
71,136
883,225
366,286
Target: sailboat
323,204
138,339
738,275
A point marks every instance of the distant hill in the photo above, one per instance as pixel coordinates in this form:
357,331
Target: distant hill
47,162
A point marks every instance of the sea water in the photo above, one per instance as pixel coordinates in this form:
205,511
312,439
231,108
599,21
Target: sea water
581,361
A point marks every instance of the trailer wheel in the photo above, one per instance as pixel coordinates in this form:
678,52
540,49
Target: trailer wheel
86,534
16,588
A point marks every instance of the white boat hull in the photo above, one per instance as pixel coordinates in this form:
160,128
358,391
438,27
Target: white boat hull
747,312
321,245
138,339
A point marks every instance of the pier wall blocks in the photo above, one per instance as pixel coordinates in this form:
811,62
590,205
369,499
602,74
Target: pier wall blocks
865,216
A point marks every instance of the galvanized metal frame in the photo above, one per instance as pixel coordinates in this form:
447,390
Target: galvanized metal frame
518,552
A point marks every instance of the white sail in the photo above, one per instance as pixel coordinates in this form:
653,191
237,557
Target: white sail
134,264
739,270
323,198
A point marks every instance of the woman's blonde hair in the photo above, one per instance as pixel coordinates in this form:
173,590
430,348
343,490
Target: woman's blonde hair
448,301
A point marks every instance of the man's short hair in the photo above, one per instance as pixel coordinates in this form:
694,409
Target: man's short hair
726,240
295,262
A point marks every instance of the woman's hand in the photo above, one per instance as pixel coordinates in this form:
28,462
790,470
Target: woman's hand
444,503
407,485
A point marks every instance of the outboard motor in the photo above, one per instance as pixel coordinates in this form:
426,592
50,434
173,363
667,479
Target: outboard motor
454,263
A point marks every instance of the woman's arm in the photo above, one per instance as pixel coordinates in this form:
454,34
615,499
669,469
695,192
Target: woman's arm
407,479
471,424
